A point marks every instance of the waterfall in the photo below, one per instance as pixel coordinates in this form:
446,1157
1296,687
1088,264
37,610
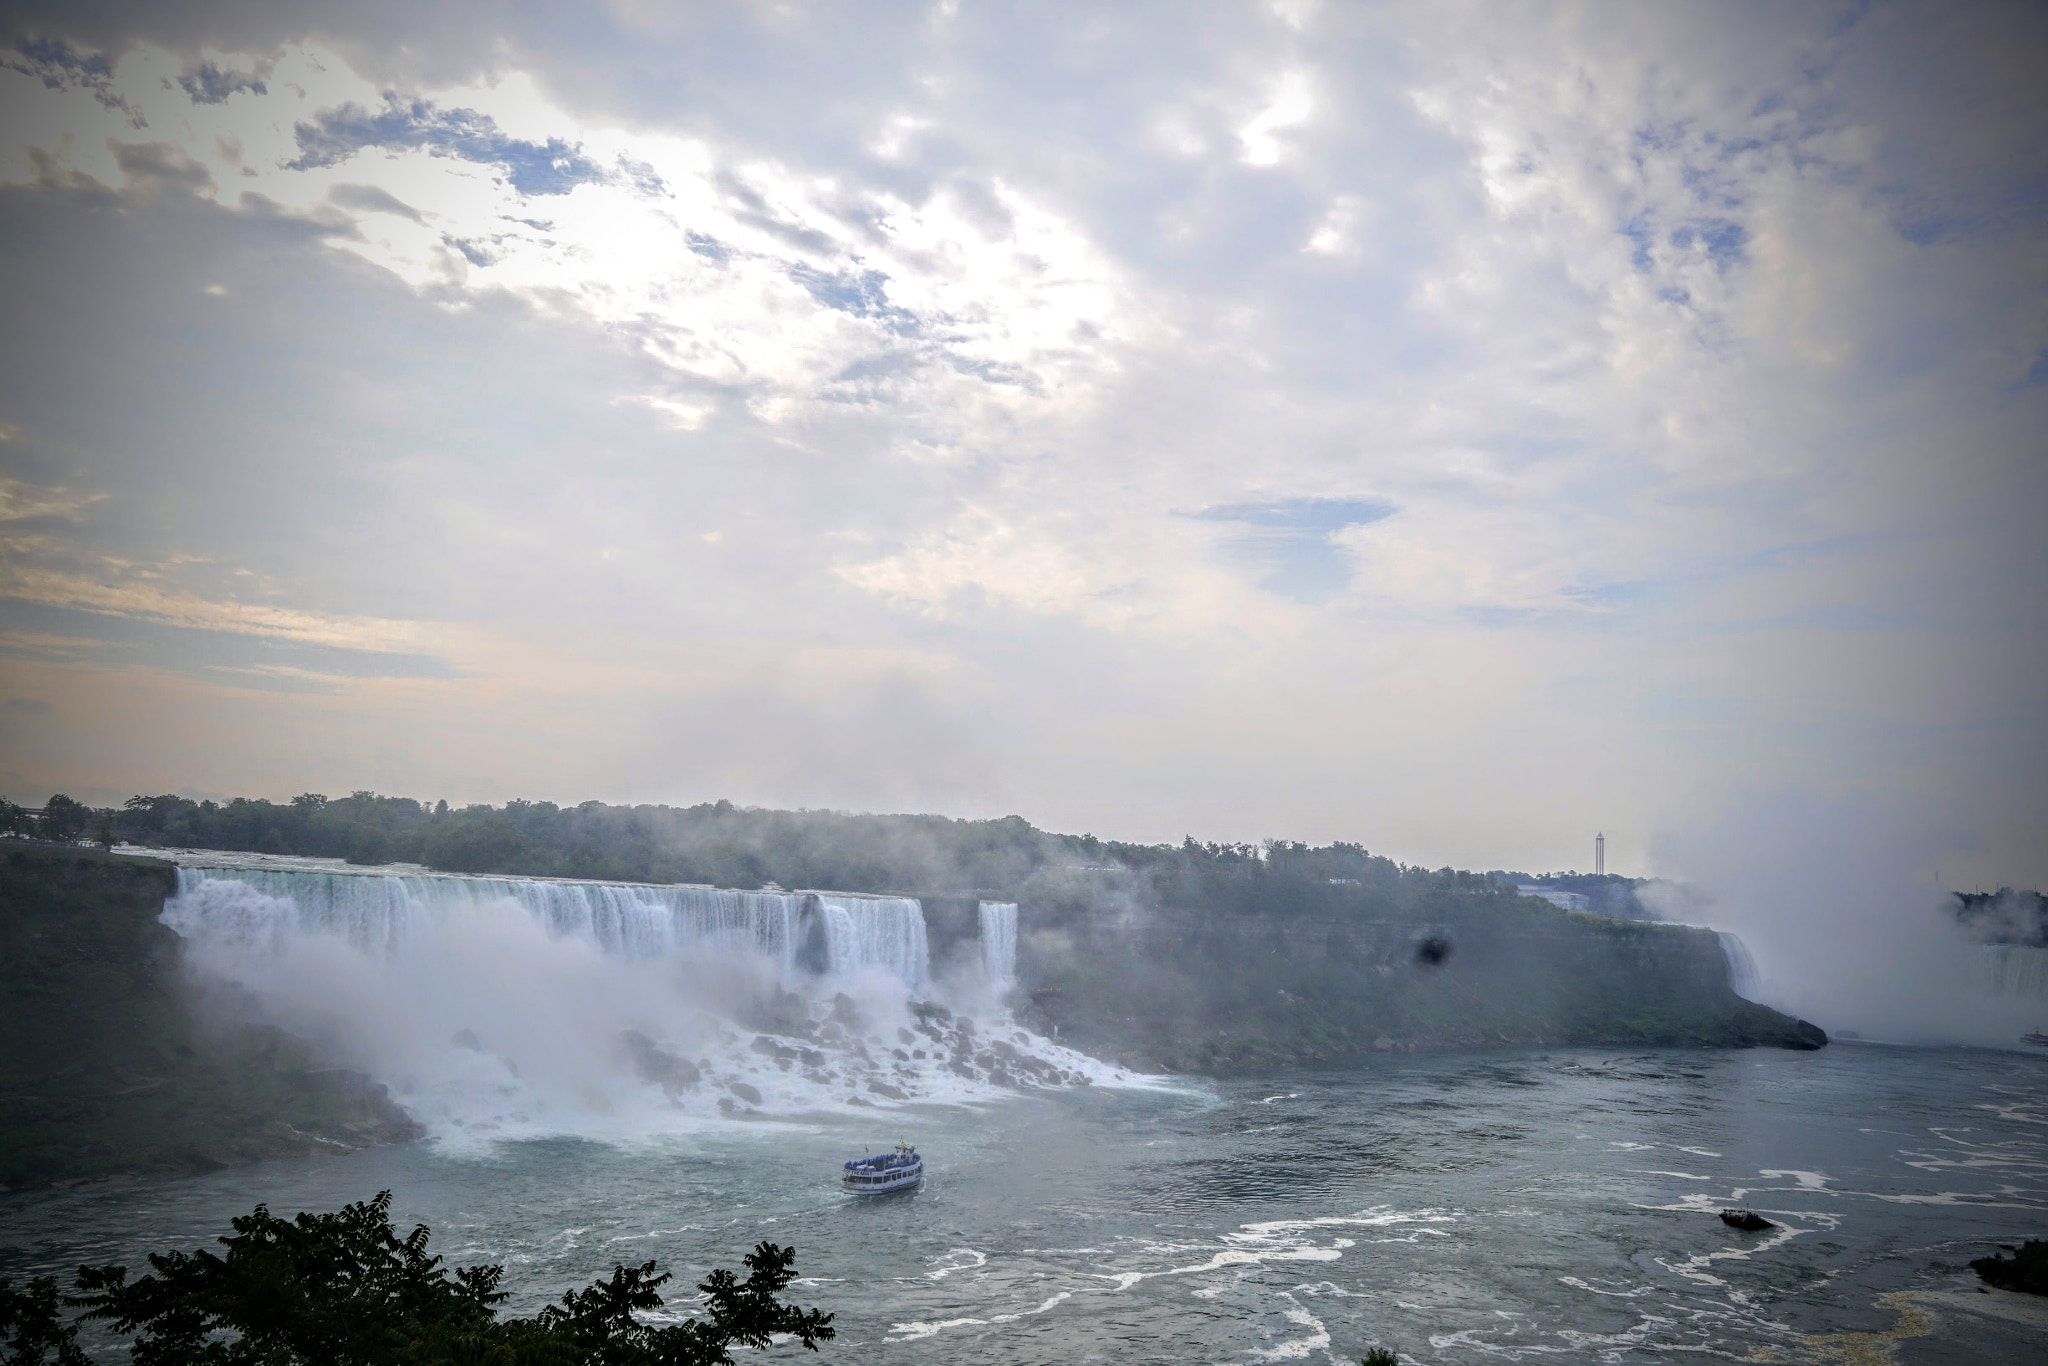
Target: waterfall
497,1007
876,932
383,914
1742,974
2015,969
999,941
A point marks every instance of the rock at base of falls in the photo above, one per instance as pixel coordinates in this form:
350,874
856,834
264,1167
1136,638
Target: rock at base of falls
652,1063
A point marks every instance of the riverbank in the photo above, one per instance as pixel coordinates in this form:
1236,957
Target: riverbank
113,1064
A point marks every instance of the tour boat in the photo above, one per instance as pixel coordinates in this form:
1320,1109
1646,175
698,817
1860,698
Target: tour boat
2041,1039
895,1171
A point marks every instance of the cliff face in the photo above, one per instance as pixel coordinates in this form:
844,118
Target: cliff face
1213,992
107,1063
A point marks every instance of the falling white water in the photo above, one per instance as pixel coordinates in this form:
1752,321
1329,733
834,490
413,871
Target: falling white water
1742,974
509,1007
2015,969
999,941
884,932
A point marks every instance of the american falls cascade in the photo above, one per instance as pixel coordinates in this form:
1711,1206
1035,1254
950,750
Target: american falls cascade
999,941
499,1008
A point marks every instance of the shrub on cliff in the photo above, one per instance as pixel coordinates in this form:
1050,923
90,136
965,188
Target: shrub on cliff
327,1289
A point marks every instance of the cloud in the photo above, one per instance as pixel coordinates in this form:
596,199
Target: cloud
1692,346
22,501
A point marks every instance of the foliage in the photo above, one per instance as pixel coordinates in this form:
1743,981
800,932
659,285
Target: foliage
64,819
32,1326
345,1289
2026,1269
715,842
16,820
2006,916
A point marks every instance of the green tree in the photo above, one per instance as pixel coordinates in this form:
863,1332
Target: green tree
344,1289
64,819
15,820
32,1326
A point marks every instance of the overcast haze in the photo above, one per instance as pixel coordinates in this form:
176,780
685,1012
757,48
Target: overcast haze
1452,428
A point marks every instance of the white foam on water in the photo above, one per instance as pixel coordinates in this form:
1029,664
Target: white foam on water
1247,1247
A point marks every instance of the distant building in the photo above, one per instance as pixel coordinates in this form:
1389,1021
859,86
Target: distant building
1599,855
1570,901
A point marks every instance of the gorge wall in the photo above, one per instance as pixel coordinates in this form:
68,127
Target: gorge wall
112,1062
1221,992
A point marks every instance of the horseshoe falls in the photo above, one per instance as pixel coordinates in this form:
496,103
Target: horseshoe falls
497,1008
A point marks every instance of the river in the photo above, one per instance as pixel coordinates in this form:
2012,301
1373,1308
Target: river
1457,1207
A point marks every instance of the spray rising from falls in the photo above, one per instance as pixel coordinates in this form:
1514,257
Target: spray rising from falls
507,1007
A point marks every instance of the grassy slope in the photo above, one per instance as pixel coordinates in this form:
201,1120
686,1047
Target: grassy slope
104,1068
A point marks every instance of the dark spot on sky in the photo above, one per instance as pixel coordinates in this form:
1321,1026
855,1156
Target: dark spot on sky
1291,540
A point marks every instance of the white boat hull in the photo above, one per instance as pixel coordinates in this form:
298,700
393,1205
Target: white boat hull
882,1182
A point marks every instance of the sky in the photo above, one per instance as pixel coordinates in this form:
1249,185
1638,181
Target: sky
1453,428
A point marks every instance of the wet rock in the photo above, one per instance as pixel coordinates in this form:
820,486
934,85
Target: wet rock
899,1054
811,1057
744,1092
846,1011
466,1038
652,1063
1749,1221
883,1088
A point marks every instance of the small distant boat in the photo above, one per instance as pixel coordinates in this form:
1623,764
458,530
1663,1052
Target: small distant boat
2041,1039
895,1171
